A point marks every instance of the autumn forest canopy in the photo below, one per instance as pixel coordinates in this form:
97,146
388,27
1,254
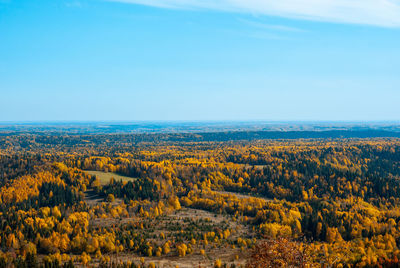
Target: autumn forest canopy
212,196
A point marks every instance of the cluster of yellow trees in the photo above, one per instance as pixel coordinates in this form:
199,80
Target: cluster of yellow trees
341,198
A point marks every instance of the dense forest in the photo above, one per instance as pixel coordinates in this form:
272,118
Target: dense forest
191,200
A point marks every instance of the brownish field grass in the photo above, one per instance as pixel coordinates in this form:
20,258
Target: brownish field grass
105,177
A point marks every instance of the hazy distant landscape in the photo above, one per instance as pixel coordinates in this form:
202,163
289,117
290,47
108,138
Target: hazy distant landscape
365,129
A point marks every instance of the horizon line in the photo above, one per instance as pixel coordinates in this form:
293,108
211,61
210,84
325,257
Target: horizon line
19,122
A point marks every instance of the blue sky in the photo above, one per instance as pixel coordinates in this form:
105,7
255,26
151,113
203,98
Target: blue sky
199,60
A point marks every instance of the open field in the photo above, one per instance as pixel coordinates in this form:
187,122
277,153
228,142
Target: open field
245,196
226,255
105,177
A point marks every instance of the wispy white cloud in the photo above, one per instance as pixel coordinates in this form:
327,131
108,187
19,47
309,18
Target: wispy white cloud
273,27
384,13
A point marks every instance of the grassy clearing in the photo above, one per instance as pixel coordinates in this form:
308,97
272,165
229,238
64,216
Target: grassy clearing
244,196
105,177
